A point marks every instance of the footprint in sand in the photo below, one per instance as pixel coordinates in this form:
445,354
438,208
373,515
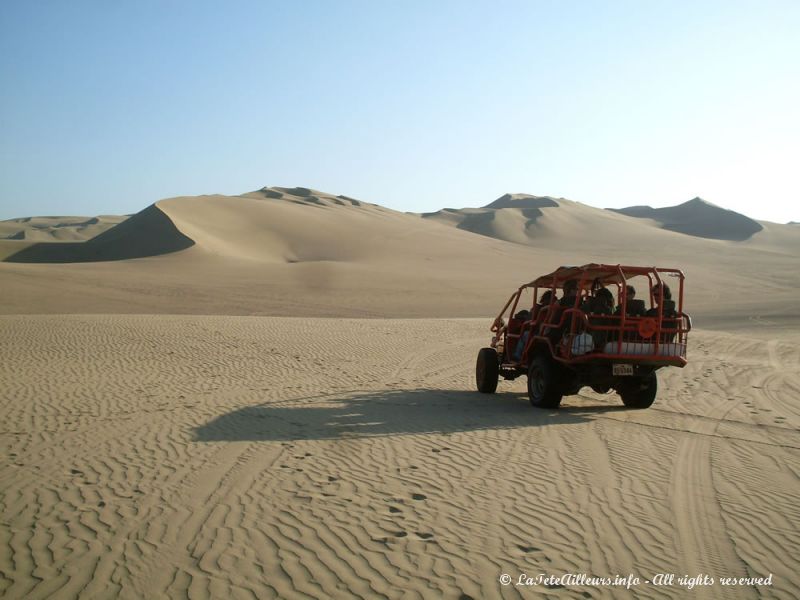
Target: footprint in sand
393,509
419,496
529,548
425,536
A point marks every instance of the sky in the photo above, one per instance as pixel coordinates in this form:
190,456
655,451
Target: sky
106,107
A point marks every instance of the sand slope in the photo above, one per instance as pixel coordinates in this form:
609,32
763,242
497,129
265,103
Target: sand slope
737,279
258,254
543,220
700,218
147,233
296,251
57,229
208,457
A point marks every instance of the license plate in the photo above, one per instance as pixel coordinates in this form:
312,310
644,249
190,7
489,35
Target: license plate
622,369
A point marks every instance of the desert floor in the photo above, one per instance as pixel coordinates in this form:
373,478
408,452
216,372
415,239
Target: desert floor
265,457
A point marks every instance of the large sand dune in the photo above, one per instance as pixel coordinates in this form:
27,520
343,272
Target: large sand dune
700,218
208,457
297,251
147,233
57,229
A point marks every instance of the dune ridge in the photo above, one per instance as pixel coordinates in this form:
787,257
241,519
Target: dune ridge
699,218
147,233
285,251
49,229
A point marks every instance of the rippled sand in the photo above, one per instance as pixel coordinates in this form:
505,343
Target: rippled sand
260,457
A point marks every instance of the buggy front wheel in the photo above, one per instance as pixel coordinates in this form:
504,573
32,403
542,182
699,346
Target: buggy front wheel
487,371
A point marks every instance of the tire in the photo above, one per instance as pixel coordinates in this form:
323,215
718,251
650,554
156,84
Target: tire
639,392
544,387
487,371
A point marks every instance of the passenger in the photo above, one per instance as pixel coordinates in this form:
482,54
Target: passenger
602,304
546,300
633,306
525,315
515,325
559,324
570,293
630,294
662,294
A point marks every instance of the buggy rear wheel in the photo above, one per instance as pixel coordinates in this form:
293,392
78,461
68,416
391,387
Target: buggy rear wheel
639,392
544,388
487,371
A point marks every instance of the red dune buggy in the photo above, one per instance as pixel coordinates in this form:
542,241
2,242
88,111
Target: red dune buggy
586,326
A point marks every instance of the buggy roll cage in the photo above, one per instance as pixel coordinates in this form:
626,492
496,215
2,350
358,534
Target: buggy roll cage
650,339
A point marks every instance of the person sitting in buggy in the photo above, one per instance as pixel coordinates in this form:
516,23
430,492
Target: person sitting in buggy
515,326
570,293
547,299
662,297
633,307
551,325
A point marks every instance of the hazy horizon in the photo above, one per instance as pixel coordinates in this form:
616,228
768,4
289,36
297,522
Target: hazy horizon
109,108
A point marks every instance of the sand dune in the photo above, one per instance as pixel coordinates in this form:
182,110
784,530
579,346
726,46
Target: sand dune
700,218
61,229
147,233
737,279
543,220
296,251
292,458
311,254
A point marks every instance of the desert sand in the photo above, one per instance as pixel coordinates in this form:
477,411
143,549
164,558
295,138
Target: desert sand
272,396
